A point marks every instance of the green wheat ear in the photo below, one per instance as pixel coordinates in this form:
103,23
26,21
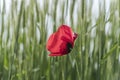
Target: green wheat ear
109,53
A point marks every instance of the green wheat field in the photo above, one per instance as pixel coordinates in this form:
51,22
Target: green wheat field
27,25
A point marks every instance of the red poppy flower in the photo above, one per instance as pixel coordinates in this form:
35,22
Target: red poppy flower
62,41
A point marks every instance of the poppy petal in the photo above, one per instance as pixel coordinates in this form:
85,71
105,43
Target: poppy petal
61,42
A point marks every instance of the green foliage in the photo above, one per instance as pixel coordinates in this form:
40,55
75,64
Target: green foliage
23,54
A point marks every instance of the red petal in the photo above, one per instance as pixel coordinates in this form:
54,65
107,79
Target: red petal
56,54
57,43
75,36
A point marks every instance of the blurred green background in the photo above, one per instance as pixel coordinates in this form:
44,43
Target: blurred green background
25,26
